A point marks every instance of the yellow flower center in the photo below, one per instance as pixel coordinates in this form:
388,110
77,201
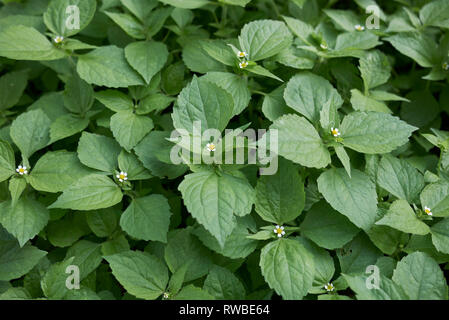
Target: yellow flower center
21,170
122,176
335,132
212,147
427,210
279,231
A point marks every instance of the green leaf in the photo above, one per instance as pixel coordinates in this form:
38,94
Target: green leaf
202,56
213,200
388,290
360,102
435,14
203,101
326,227
219,50
436,197
417,46
146,57
186,4
400,178
153,151
375,69
15,293
154,102
78,95
237,245
14,260
60,19
98,152
261,71
182,248
353,197
356,255
16,186
129,163
129,128
87,256
191,292
128,23
12,86
223,284
89,193
374,132
300,142
280,197
421,277
308,93
140,8
288,268
262,39
401,216
25,43
66,231
385,238
342,155
103,222
241,3
107,66
56,170
411,111
296,58
24,220
54,282
299,28
177,279
352,44
147,218
440,235
141,274
115,100
7,161
274,106
343,19
324,265
31,132
66,126
234,85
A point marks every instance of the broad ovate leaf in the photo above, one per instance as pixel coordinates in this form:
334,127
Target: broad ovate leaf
355,196
288,268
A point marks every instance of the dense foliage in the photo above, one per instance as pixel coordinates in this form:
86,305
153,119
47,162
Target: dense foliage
355,93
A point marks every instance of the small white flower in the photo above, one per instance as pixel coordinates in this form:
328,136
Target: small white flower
329,287
427,211
242,54
166,295
323,46
211,147
243,64
58,39
279,230
335,132
122,176
22,170
358,27
445,66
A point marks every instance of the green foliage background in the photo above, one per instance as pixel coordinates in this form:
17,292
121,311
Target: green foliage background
106,99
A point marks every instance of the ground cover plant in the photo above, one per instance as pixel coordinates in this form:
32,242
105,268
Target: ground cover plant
114,122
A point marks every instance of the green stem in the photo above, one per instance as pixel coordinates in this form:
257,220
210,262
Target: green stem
224,14
276,11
